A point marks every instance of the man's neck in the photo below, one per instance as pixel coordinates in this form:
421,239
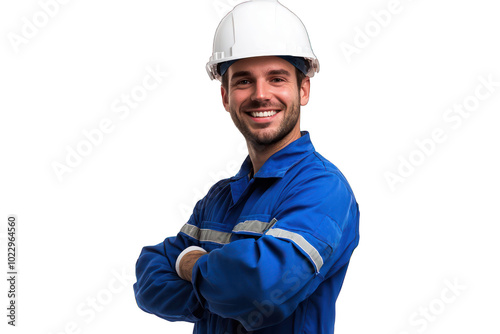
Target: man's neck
260,153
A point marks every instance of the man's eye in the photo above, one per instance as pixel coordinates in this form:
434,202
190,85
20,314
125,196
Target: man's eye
277,80
242,82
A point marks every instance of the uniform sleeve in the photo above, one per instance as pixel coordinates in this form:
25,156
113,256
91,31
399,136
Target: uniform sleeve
261,281
159,290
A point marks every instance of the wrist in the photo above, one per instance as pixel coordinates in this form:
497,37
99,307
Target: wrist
182,254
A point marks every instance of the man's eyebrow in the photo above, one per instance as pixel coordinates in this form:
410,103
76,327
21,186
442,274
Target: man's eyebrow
279,72
240,74
271,72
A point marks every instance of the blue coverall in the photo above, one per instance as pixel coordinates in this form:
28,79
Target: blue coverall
279,245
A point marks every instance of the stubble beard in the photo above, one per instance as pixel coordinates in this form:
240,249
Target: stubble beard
266,138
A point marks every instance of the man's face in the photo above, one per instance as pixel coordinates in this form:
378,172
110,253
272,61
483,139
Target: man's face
264,99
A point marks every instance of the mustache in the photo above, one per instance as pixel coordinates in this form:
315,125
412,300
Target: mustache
260,105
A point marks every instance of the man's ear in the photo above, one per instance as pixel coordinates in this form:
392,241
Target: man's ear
225,98
305,87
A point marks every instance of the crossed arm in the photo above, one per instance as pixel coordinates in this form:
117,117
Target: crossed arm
282,267
228,281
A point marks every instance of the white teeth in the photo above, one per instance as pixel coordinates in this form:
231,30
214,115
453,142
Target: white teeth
263,113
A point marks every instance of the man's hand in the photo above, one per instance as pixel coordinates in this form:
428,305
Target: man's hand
187,263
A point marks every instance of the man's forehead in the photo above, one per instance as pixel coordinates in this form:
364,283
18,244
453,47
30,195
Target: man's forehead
267,64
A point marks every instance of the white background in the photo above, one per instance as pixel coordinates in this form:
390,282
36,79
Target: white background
138,185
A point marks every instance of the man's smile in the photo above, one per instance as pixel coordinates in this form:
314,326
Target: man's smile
262,115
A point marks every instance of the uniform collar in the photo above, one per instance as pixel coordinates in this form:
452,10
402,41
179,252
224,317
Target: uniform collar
280,162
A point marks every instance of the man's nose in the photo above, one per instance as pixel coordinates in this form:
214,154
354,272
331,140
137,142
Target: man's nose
261,90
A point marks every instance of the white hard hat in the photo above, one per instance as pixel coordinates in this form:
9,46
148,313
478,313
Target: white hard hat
260,28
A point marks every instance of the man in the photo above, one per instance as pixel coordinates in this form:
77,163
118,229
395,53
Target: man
265,251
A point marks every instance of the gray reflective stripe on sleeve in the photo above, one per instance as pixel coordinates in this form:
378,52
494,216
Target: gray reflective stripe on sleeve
191,230
254,226
301,242
206,234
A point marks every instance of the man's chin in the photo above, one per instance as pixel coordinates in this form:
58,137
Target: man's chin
264,138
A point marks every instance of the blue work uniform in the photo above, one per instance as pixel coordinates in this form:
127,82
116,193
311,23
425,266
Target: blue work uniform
279,245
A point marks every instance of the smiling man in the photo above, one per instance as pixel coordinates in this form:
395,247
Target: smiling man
263,96
265,251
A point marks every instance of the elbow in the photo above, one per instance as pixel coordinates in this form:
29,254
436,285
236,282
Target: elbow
263,311
254,309
165,302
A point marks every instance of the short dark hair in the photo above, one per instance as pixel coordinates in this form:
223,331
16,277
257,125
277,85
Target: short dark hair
298,74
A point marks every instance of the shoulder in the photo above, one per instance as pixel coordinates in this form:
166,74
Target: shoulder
217,193
317,183
219,187
318,170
